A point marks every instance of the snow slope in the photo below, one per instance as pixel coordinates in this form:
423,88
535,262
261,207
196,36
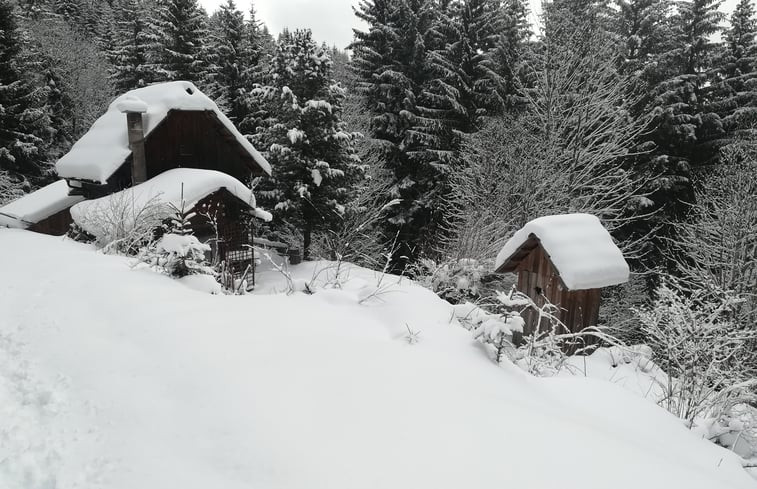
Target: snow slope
119,378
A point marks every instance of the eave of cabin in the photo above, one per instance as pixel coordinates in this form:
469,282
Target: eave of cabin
512,262
515,263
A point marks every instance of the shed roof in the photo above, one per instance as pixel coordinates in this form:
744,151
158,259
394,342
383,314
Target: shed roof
579,247
171,187
105,147
38,205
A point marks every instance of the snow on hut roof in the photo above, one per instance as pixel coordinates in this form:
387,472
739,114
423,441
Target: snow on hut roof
170,187
104,148
36,206
579,247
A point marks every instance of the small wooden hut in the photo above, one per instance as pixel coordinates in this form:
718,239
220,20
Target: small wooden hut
566,260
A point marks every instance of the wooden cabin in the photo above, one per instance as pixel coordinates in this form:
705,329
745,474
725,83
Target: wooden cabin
566,260
143,134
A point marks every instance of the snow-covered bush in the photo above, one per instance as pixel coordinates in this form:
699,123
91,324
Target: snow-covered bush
735,429
178,252
541,353
701,348
494,330
455,281
121,223
178,255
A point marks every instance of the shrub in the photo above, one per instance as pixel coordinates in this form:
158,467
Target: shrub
701,348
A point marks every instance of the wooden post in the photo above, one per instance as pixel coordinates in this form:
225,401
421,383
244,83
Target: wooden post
137,146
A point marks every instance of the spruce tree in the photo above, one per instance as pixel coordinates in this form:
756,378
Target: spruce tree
687,125
129,54
234,52
177,32
391,61
737,103
23,114
511,48
467,83
305,139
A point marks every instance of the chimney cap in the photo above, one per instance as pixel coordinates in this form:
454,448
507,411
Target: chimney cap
132,104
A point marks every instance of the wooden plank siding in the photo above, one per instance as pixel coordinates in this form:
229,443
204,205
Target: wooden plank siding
57,225
197,139
184,139
539,279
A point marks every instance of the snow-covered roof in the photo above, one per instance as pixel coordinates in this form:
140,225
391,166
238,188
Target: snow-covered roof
105,147
579,247
36,206
170,187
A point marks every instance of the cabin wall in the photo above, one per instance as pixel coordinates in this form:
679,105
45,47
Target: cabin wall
56,225
195,139
538,279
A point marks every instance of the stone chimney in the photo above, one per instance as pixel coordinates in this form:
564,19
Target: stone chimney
134,108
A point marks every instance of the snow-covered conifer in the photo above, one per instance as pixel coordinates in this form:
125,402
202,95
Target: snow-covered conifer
177,32
128,56
304,137
391,61
23,114
233,56
737,93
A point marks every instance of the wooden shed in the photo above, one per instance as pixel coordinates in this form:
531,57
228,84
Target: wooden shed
566,260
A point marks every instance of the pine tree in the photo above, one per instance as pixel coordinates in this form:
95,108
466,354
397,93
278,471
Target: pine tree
234,52
253,47
511,47
23,115
737,93
391,61
177,32
681,80
687,127
305,139
644,33
129,55
467,85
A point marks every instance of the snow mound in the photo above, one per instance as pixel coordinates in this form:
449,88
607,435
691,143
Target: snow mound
334,390
131,103
38,205
579,246
170,187
105,147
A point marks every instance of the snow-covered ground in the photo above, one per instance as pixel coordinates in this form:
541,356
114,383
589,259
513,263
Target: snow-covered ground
122,378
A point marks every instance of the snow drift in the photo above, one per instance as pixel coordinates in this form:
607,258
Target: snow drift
120,378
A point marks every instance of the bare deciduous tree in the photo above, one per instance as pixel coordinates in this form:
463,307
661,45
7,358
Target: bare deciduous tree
565,153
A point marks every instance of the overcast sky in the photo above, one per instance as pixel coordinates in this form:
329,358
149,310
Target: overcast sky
330,20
